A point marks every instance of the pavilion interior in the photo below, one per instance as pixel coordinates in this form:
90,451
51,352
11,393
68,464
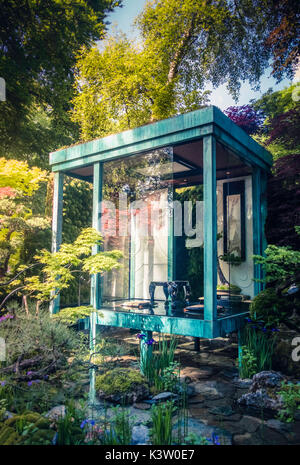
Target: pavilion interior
151,249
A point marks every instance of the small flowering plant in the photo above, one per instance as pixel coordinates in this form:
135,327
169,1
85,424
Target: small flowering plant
8,316
260,326
144,339
33,381
92,430
87,422
214,440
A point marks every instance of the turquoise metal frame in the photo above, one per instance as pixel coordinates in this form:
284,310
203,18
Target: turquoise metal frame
210,125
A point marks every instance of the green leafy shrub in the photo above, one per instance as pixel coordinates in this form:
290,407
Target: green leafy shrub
279,263
248,363
3,405
232,288
71,315
49,355
68,427
269,307
290,394
41,339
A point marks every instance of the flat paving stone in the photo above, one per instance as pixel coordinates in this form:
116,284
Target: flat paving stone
211,433
190,374
222,410
142,406
140,435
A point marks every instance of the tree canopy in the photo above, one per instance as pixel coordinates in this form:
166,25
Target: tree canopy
281,128
19,187
39,41
184,45
245,117
284,38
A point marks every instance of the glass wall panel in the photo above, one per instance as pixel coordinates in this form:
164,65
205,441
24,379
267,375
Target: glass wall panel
235,236
153,213
135,220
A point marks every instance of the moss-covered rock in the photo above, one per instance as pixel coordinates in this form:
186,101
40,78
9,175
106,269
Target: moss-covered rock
6,435
26,428
12,439
40,437
122,385
24,419
42,423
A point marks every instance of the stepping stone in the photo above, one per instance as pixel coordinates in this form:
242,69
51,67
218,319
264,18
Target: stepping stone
164,396
229,374
211,433
224,411
213,390
142,405
190,374
140,435
278,425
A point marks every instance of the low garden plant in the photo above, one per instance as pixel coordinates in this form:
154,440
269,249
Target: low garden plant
161,370
162,424
258,344
290,395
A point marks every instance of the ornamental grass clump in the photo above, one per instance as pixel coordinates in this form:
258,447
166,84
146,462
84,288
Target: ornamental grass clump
258,344
161,370
162,425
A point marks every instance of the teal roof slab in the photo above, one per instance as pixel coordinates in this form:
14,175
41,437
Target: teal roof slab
171,131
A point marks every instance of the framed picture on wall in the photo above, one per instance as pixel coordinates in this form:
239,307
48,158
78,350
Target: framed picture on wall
234,219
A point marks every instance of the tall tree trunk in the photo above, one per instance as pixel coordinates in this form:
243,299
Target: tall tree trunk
25,303
180,51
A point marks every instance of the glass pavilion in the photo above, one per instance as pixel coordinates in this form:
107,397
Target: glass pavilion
184,200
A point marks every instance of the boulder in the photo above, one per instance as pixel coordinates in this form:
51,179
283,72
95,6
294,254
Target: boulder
212,390
122,385
137,392
266,379
263,391
163,396
142,405
56,413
